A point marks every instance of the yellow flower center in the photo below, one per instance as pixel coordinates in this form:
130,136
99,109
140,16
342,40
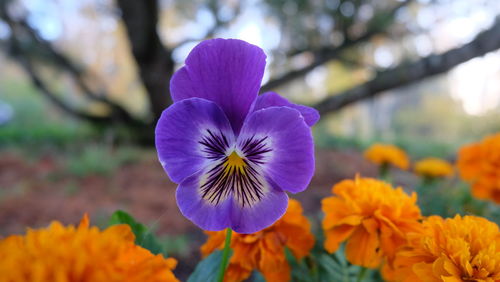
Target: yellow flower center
233,175
235,162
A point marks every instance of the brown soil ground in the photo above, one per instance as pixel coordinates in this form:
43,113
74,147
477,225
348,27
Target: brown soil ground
34,193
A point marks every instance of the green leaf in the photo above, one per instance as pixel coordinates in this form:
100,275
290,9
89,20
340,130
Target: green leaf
143,237
121,217
300,271
258,277
150,242
208,268
332,269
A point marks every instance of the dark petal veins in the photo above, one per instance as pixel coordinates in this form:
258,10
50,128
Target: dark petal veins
190,134
290,164
230,174
214,145
229,213
255,149
241,179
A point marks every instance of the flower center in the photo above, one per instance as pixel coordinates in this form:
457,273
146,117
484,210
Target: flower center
234,170
236,162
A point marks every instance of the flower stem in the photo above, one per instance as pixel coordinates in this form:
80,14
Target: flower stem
225,255
383,172
361,274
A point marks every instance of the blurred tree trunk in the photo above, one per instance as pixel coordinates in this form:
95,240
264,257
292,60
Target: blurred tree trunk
154,61
156,65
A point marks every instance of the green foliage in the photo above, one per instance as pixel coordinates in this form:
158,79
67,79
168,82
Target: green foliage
425,123
34,121
257,277
321,266
300,270
416,148
339,142
437,116
450,197
92,160
71,188
420,148
178,245
143,237
207,269
36,124
99,160
43,133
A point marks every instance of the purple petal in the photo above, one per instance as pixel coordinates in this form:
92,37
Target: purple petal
179,131
225,71
251,219
270,99
290,164
202,213
229,212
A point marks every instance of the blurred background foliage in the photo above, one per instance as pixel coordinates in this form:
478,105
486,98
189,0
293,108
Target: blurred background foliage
83,82
84,69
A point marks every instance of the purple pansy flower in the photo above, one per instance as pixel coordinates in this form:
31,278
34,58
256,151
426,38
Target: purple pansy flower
233,153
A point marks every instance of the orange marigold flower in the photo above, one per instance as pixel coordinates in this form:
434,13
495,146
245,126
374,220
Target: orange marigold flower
83,253
479,164
433,167
265,250
454,249
385,154
469,159
371,216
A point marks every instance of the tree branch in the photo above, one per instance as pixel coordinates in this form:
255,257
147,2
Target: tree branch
407,73
44,89
117,113
219,23
40,84
76,73
326,54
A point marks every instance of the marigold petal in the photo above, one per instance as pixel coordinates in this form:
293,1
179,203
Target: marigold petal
424,272
215,241
236,273
451,279
390,242
336,236
479,164
84,222
338,213
83,253
451,268
383,154
469,159
378,209
391,226
371,225
433,167
273,242
363,249
265,250
246,255
281,273
299,239
122,231
464,248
